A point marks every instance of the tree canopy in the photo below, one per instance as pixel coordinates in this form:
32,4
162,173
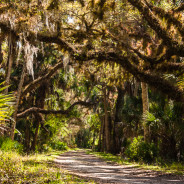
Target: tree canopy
60,54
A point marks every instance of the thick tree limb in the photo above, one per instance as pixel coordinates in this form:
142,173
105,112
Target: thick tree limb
62,112
36,83
168,16
4,8
152,79
155,25
180,8
40,37
170,67
54,39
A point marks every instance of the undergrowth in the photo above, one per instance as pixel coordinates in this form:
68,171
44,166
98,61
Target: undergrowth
33,169
174,168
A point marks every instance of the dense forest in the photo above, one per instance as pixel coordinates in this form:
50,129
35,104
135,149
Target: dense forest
100,74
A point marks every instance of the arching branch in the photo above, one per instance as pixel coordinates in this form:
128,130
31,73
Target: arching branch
153,79
155,25
62,112
36,83
168,16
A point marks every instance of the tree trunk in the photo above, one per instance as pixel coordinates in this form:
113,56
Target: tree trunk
117,122
37,121
1,54
107,133
11,53
18,100
145,104
103,135
27,137
93,143
100,135
136,87
40,101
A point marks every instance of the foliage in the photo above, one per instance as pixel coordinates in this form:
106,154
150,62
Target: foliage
94,45
139,150
165,127
164,167
83,138
58,145
39,169
5,103
6,144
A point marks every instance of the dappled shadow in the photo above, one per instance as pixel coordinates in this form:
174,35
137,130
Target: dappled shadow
89,166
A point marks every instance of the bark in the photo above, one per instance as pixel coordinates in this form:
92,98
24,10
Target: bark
169,17
145,105
35,136
63,112
107,132
1,54
100,136
11,56
117,122
136,87
93,143
18,100
37,82
40,101
103,135
156,26
27,138
154,80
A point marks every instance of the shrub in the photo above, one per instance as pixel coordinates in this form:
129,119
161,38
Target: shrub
58,145
139,150
6,144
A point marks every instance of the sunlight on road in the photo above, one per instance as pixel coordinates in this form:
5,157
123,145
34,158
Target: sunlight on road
89,166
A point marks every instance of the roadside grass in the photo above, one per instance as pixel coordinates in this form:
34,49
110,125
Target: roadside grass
172,168
34,169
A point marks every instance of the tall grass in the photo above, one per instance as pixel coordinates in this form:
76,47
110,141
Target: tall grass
37,169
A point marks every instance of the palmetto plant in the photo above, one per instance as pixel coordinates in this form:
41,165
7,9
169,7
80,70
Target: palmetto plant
5,103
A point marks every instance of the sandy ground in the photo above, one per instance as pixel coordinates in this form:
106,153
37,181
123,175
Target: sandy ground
89,166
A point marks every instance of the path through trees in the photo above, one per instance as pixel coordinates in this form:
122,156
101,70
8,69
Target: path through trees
89,166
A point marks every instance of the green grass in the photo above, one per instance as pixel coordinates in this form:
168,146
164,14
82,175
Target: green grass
174,168
33,169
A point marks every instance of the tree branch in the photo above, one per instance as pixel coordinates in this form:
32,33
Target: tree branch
155,25
168,16
151,78
62,112
171,67
36,83
180,8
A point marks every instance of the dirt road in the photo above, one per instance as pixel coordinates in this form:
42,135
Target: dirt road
89,166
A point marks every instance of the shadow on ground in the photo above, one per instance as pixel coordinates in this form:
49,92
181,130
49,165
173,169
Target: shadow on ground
89,166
